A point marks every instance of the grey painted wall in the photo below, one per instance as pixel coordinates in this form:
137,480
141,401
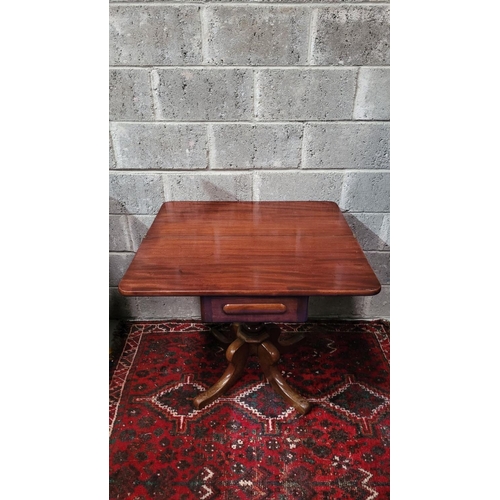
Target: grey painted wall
230,100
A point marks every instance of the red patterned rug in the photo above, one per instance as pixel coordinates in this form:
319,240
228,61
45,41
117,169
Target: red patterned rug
250,444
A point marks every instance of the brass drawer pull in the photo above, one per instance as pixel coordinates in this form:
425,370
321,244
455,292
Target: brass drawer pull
254,308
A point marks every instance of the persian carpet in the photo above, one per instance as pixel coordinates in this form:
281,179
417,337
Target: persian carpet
249,444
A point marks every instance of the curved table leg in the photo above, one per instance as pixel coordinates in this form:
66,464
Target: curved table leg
237,355
284,346
268,356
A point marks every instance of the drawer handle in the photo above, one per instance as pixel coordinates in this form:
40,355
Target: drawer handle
254,308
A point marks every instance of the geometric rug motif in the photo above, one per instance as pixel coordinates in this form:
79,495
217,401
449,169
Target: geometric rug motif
357,402
250,443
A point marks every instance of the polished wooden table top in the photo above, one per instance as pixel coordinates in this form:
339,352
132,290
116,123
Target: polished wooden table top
249,248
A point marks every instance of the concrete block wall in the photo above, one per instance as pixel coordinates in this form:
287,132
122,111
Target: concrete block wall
238,100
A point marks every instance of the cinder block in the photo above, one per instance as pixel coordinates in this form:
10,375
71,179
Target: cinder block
126,232
371,230
257,146
135,193
118,264
130,95
305,94
153,308
336,307
373,94
119,234
160,146
139,226
299,186
365,192
380,262
203,94
169,308
378,306
121,307
257,35
209,187
351,36
347,145
355,307
155,34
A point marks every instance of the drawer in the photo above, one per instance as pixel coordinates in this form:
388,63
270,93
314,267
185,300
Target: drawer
253,309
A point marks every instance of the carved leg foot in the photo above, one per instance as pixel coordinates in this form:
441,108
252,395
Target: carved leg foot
268,356
236,354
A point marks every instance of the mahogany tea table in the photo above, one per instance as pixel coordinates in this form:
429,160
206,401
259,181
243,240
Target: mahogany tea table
252,264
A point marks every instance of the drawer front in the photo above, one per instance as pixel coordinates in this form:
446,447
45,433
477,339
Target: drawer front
253,309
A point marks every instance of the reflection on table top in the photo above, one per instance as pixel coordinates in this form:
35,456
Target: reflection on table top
249,248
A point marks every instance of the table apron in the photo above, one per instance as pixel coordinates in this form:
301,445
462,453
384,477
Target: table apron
222,309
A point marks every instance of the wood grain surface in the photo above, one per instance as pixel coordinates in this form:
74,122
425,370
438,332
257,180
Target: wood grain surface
249,249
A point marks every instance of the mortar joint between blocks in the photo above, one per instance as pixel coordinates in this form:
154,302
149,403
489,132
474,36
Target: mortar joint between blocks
303,152
355,95
154,80
313,23
210,146
255,91
204,33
